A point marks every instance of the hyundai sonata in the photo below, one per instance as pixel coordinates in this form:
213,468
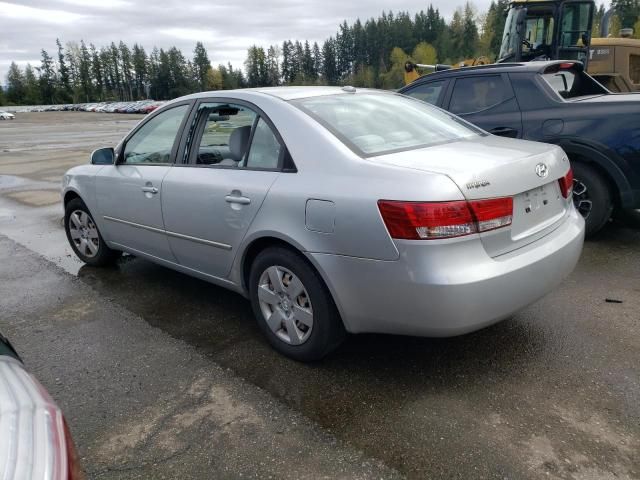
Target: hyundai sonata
333,210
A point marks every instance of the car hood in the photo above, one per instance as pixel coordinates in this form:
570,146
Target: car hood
487,166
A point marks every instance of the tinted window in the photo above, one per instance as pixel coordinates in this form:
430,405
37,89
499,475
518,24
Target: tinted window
428,92
153,142
477,93
376,123
265,147
225,138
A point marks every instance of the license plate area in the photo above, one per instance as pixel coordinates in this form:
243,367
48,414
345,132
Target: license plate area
536,209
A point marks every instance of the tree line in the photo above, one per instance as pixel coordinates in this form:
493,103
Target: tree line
364,54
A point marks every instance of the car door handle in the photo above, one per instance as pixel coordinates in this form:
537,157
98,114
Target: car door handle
237,199
153,190
504,131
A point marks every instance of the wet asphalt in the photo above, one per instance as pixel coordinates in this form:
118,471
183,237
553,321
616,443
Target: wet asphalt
553,392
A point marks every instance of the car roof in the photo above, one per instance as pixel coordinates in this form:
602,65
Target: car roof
528,67
284,93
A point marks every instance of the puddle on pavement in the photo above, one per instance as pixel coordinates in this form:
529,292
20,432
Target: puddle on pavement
11,181
36,198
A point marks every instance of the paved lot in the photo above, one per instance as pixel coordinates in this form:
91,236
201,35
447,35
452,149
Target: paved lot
143,357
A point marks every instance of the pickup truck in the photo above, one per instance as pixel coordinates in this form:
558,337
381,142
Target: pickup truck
553,102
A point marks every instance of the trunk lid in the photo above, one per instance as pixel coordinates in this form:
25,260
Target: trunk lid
490,167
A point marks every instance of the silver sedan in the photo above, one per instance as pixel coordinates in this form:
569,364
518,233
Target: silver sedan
333,210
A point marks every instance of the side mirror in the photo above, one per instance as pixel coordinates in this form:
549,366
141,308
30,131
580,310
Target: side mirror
103,156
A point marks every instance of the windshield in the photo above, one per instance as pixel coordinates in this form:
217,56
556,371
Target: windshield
509,47
377,123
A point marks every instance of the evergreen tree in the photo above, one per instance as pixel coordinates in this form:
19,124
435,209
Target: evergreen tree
16,87
32,87
96,73
141,71
64,86
47,78
273,66
308,66
201,65
84,73
330,72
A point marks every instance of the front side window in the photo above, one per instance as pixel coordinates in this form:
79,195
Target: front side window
153,142
575,24
376,123
474,94
428,92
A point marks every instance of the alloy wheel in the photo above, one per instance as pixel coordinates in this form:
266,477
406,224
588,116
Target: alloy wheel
84,233
285,305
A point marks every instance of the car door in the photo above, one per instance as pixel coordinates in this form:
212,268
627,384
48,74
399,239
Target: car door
487,101
128,193
431,92
232,158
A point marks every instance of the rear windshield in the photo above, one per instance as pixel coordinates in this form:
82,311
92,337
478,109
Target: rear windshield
569,81
377,123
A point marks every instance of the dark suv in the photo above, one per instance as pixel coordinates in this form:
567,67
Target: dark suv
553,102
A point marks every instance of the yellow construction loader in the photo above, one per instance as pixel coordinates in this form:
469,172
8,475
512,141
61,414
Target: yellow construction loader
562,30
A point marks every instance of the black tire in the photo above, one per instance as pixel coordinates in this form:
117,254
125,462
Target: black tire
589,185
328,330
104,255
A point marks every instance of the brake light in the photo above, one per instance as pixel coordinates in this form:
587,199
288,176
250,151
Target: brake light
566,184
436,220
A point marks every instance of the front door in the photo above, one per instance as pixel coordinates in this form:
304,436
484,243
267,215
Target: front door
209,203
129,193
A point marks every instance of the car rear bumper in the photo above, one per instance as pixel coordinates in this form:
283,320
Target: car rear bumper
448,288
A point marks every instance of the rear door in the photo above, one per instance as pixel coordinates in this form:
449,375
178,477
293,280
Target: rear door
129,193
487,101
232,158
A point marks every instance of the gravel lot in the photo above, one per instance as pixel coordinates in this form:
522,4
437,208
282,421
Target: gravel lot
165,376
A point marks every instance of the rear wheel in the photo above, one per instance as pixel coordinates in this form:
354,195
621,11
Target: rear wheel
591,197
84,236
292,305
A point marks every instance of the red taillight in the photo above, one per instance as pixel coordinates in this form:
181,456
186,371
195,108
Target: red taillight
566,184
434,220
492,213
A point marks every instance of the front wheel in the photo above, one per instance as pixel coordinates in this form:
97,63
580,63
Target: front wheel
84,236
591,197
293,306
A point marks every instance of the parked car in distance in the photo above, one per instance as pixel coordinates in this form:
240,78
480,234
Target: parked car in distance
6,115
35,442
553,102
333,209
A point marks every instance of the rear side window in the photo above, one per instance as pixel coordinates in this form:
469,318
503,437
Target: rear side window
225,138
473,94
428,92
265,147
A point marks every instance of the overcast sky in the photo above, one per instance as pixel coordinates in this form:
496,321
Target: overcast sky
226,27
